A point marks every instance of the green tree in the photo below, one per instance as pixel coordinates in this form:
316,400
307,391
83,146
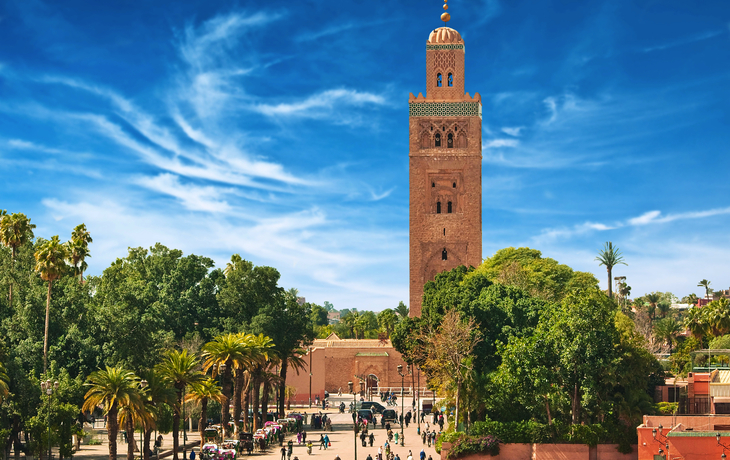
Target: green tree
653,298
157,398
318,315
228,352
387,319
402,310
705,284
610,256
200,393
78,249
50,265
181,369
112,388
15,231
4,389
666,330
695,322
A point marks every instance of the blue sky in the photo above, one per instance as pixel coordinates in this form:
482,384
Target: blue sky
279,130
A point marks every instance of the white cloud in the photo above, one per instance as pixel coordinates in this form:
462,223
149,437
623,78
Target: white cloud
513,131
646,218
324,104
499,143
193,197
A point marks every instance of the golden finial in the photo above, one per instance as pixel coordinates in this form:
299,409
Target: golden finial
446,16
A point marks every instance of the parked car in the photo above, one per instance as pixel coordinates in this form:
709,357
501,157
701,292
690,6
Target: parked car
366,414
389,415
376,407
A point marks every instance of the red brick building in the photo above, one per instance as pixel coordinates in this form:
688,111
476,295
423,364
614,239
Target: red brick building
445,167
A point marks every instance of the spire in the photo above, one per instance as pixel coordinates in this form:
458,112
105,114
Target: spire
446,16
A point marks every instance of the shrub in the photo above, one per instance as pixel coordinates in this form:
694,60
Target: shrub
465,445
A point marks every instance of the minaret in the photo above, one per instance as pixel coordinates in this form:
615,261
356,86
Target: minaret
445,167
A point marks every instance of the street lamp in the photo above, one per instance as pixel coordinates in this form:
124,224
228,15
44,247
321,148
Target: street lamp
221,372
723,456
48,388
142,385
356,427
665,441
402,407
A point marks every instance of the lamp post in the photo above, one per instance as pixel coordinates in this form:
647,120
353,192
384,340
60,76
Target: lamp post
665,442
418,402
402,407
356,427
185,433
221,372
48,388
310,377
723,456
142,385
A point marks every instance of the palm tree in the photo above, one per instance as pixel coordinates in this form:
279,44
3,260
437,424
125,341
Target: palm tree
15,231
157,394
4,389
402,309
133,415
666,330
705,284
113,387
231,352
610,257
718,316
50,264
201,393
654,298
78,249
180,369
695,322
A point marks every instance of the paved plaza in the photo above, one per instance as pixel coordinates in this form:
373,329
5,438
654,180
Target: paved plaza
341,437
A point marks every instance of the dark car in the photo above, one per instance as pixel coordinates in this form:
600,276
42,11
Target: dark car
366,414
389,415
376,407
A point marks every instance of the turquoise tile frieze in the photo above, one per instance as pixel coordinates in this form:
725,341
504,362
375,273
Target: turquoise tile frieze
444,47
445,109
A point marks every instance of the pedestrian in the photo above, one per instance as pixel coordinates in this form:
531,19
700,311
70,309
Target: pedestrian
283,453
289,451
423,416
304,437
423,454
397,457
423,438
372,439
410,456
326,442
380,453
321,442
429,458
299,437
192,454
396,438
369,457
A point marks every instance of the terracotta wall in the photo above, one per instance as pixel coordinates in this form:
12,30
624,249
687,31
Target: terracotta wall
552,452
702,447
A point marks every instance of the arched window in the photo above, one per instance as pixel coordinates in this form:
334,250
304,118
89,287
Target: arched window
439,83
433,184
450,141
444,255
438,139
453,185
438,207
451,79
448,207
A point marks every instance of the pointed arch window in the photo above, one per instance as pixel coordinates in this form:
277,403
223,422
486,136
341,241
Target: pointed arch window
444,255
439,82
448,207
438,139
438,207
451,79
450,141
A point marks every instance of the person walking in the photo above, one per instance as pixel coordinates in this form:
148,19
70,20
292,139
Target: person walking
410,456
372,439
369,457
423,455
283,453
326,442
289,450
321,442
380,453
192,454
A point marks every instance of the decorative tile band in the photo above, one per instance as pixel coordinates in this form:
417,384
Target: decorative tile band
444,47
445,109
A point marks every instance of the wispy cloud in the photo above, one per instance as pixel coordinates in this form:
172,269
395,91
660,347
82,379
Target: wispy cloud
515,131
499,143
338,29
684,41
322,105
647,218
193,197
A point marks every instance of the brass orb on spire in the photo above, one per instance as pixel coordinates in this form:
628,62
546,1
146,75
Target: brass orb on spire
445,17
446,7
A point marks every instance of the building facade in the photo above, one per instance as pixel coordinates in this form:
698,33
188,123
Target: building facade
445,167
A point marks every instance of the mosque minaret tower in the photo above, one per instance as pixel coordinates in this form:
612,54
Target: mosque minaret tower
445,167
